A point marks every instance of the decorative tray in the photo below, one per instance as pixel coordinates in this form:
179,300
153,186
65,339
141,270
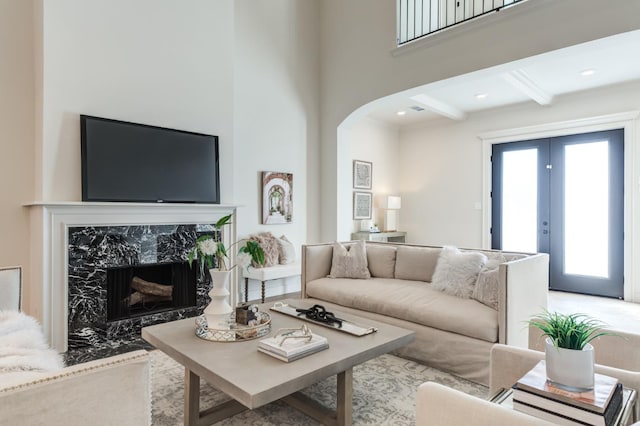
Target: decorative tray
236,332
341,324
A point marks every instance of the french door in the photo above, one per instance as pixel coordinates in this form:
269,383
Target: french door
564,196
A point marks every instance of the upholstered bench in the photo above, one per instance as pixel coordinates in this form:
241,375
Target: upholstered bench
269,273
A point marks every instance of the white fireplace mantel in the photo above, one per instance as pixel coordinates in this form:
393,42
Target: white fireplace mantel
46,295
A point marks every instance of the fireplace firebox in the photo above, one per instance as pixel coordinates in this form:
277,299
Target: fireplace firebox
141,290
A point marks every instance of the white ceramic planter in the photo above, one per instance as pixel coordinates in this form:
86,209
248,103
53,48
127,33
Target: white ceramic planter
218,312
568,368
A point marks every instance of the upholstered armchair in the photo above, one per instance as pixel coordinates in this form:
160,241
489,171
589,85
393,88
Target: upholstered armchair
439,405
10,288
616,356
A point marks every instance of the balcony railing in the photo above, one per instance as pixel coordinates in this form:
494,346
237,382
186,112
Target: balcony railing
419,18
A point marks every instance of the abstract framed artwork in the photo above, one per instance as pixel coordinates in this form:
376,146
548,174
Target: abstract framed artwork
362,174
277,198
362,205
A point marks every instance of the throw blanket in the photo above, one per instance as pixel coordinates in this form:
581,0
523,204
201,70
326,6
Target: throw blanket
23,347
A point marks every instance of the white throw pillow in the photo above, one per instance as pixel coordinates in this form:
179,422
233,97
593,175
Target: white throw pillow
456,272
286,250
349,262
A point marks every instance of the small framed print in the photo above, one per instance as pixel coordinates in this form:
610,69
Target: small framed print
362,205
362,172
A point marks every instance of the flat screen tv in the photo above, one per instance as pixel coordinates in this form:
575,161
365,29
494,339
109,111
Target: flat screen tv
131,162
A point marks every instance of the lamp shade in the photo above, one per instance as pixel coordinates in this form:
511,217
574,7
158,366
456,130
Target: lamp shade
393,202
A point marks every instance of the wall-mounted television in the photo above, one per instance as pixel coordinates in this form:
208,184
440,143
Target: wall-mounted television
131,162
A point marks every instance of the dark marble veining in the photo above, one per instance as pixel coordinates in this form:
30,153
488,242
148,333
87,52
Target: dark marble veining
94,249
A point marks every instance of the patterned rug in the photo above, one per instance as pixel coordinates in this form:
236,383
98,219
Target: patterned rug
384,391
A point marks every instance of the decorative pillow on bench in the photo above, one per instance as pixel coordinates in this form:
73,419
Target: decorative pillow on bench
349,261
456,272
269,245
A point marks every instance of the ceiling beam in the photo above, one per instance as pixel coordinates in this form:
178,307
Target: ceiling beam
440,107
520,80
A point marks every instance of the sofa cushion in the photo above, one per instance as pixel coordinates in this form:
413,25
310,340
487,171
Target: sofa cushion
414,301
416,263
349,261
381,260
456,272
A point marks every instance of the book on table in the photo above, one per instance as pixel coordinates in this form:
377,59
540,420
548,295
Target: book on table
534,394
541,406
292,345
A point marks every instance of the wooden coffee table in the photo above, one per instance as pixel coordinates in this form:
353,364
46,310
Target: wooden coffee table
254,379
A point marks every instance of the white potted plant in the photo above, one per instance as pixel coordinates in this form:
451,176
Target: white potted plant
210,247
569,355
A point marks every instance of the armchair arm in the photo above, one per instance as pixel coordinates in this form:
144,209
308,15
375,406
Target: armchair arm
439,405
523,293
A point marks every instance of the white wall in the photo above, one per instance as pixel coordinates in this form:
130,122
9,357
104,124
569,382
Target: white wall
276,101
147,61
442,175
359,64
378,143
247,71
17,111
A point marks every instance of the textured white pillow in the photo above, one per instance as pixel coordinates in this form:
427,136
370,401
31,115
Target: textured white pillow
349,262
487,285
456,272
286,251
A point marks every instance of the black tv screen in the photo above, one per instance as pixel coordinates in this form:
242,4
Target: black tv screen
132,162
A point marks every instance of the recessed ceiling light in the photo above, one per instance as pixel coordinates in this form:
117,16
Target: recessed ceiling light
401,112
481,95
587,73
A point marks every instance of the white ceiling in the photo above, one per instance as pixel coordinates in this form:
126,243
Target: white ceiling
536,79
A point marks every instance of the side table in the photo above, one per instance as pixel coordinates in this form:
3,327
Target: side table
392,237
504,397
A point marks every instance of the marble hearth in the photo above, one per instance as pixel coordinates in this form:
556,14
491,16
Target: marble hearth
82,243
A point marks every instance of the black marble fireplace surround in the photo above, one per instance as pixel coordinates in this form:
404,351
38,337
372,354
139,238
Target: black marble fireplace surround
94,252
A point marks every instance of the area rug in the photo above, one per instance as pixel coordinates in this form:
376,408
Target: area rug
384,391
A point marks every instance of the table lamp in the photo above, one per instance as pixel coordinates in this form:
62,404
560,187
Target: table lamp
392,205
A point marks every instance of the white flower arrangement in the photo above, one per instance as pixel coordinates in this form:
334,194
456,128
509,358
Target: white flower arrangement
209,247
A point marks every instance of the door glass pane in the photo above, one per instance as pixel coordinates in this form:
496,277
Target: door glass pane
520,200
586,212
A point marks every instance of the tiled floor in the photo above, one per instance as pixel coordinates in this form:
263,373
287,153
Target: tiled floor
618,314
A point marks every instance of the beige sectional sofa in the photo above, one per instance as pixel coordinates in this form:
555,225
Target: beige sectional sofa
453,333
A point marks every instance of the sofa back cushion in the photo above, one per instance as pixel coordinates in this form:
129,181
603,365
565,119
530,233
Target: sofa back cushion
416,263
381,260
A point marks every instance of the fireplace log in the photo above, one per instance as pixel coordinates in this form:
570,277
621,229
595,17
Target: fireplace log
138,297
151,288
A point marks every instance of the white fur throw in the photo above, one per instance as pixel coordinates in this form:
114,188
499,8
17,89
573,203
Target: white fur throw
456,272
349,262
23,347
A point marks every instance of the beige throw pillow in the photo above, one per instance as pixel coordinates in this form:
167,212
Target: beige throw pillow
286,250
349,261
269,246
488,283
456,272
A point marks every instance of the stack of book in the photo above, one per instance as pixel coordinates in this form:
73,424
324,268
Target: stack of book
534,395
292,349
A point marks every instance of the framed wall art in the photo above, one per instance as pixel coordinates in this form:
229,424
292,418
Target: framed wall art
362,174
362,205
277,198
